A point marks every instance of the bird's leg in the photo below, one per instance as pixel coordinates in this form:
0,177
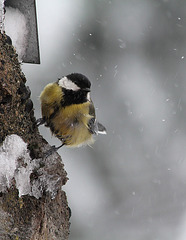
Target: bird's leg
39,122
52,150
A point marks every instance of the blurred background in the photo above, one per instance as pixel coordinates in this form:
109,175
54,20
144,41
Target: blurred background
132,183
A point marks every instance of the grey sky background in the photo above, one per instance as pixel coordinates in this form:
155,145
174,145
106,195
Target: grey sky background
131,183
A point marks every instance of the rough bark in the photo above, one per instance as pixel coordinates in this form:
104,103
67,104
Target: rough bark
28,217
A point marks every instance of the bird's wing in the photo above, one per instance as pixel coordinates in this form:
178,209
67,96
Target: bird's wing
94,126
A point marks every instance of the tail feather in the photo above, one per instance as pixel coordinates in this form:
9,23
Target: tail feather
96,127
101,128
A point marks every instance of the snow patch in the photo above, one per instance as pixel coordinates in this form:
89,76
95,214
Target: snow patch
13,156
13,148
16,28
16,167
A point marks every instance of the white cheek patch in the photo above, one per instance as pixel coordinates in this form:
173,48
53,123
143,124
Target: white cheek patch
68,84
88,97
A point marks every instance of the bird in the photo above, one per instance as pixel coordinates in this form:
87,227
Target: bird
67,109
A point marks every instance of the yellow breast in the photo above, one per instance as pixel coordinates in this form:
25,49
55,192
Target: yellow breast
71,124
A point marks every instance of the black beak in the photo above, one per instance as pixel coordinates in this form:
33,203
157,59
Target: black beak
86,89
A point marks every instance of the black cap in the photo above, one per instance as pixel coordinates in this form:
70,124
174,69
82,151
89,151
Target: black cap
80,80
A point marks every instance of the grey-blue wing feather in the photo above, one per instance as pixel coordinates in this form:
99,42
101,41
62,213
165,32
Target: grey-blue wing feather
94,126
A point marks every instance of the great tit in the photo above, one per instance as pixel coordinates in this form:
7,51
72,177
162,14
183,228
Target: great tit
69,112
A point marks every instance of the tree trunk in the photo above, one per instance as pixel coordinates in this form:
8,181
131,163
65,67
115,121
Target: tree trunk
44,215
